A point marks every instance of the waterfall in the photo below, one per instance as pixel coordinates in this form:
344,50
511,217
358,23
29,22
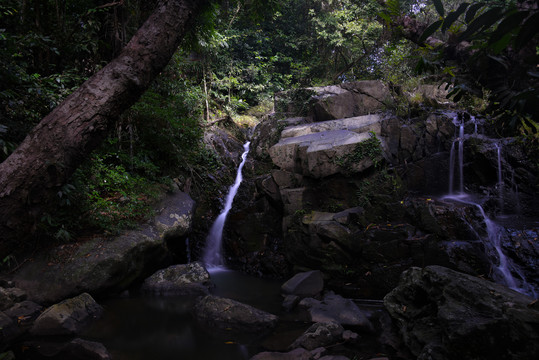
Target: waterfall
212,256
461,158
504,268
500,184
451,167
460,141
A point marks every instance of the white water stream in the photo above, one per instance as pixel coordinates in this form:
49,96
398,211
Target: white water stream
213,257
504,268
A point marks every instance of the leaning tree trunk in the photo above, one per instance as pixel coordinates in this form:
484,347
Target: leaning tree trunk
32,176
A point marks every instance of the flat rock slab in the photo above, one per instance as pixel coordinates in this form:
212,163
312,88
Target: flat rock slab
316,155
309,283
184,279
357,124
227,314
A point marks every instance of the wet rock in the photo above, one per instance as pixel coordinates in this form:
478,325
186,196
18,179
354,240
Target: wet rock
286,179
221,313
335,308
296,354
334,357
10,296
23,315
8,329
320,334
290,302
184,279
304,284
74,349
68,317
96,266
439,310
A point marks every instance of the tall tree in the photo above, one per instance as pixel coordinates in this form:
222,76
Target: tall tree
32,176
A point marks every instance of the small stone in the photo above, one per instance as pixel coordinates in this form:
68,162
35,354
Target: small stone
348,335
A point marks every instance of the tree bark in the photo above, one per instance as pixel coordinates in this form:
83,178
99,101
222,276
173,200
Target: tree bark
32,176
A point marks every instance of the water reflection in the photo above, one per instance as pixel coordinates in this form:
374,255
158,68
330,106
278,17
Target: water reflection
142,327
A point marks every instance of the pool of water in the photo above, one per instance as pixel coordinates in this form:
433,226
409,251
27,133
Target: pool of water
162,328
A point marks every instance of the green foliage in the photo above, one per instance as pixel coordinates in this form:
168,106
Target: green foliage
504,37
381,183
366,149
110,197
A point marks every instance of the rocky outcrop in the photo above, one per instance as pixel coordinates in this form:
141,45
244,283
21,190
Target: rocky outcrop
349,100
109,265
185,279
317,155
68,317
96,266
443,314
222,313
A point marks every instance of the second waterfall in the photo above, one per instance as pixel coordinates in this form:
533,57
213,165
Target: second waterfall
213,256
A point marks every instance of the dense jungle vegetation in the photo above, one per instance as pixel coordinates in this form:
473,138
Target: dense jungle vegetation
239,54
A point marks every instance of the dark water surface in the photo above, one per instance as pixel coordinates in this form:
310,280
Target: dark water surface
162,328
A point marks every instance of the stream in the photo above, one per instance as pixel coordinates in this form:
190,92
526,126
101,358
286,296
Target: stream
162,328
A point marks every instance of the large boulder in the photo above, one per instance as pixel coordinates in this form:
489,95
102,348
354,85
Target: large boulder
95,266
184,279
175,215
227,314
321,154
336,309
443,314
309,283
68,317
349,100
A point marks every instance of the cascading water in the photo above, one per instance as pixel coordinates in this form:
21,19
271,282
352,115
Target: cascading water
460,141
504,268
461,158
213,257
500,184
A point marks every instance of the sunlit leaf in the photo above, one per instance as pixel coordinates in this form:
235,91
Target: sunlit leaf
439,7
453,16
470,14
430,30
